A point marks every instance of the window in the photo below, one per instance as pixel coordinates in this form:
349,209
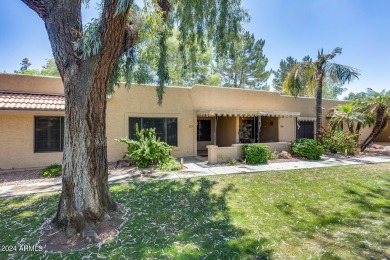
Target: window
166,128
204,130
48,134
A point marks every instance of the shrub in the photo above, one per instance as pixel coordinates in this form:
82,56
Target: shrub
51,170
147,149
256,153
307,148
171,164
232,161
339,142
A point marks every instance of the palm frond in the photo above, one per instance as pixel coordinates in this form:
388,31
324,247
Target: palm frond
341,73
293,84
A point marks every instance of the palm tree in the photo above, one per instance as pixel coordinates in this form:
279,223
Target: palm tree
308,73
377,103
351,113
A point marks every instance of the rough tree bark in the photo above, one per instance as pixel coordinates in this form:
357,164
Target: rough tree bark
85,197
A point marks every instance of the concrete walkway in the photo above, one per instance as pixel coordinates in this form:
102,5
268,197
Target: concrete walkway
195,168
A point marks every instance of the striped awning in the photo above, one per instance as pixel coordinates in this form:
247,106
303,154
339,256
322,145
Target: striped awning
306,119
246,113
280,113
241,113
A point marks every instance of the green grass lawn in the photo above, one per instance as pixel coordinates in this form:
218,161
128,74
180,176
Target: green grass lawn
327,213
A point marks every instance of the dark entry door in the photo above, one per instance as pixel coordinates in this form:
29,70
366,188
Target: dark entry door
305,130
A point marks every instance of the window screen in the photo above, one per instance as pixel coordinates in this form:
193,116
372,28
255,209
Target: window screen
166,128
49,134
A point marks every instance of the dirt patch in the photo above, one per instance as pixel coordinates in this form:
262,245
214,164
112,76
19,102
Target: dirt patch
54,240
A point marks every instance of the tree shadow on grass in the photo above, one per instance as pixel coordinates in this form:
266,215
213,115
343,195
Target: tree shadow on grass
181,220
166,220
359,223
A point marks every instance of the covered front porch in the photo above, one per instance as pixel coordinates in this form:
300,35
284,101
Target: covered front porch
221,133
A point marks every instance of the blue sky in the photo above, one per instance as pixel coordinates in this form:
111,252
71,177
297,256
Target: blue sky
290,28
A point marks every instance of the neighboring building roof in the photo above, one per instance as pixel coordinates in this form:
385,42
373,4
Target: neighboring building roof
31,101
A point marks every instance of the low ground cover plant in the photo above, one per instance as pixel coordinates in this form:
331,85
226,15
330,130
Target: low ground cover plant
147,150
307,148
51,170
339,142
256,153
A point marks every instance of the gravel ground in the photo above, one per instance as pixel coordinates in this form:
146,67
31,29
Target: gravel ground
15,177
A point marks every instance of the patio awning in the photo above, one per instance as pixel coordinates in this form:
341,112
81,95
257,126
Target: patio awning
241,113
306,119
246,113
280,113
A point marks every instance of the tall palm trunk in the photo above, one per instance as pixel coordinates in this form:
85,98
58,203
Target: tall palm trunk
319,78
380,124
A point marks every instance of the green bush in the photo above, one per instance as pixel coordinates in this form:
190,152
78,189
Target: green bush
307,148
51,170
171,164
339,142
256,153
147,150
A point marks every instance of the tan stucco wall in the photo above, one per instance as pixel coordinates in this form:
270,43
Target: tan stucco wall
17,142
385,135
269,129
287,129
16,129
227,131
31,84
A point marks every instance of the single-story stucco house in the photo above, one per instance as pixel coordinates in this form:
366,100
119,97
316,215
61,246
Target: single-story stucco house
198,120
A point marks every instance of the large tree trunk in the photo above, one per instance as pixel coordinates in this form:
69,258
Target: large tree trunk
85,197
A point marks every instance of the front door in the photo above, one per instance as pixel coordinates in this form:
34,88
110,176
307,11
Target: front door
305,130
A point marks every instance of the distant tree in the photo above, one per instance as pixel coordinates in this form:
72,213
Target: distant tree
332,90
355,96
25,64
307,73
279,75
244,67
50,68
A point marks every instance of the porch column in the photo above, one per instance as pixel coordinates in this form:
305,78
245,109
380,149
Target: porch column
215,129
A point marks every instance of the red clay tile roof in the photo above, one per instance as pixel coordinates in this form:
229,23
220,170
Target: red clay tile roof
29,101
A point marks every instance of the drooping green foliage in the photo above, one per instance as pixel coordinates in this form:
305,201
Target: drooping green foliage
307,148
256,153
199,24
147,150
244,66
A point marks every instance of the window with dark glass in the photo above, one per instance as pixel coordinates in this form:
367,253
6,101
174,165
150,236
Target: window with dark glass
48,134
204,130
166,128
